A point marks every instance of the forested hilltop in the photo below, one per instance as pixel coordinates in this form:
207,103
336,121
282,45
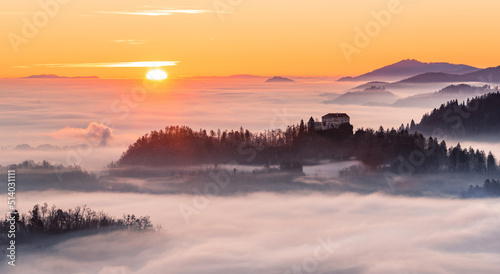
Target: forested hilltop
44,221
45,175
381,149
479,116
490,188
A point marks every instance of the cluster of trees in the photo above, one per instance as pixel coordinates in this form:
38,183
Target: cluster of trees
353,171
420,154
490,188
181,145
477,116
471,161
45,220
44,175
177,145
31,165
294,166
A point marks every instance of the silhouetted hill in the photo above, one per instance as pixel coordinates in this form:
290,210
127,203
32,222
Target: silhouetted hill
408,68
479,116
364,86
452,92
44,221
489,75
44,175
24,147
279,79
369,96
381,149
432,77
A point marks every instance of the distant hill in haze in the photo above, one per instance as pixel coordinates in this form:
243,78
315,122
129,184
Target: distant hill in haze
54,76
47,147
453,92
279,79
408,68
370,85
378,95
478,117
370,96
489,75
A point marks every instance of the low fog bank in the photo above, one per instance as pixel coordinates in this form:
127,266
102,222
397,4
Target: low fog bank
222,103
226,182
93,159
235,180
279,233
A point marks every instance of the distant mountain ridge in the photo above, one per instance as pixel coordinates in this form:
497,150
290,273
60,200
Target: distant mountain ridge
491,75
377,95
369,96
453,92
409,68
279,79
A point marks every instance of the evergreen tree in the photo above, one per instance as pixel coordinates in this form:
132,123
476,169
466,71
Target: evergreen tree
491,163
412,125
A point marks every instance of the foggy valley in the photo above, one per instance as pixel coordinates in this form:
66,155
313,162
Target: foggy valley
228,136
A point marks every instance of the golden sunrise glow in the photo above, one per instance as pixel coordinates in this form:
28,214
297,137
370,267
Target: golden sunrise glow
112,39
156,75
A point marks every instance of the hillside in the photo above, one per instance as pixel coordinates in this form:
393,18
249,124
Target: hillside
364,86
178,146
453,92
408,68
489,75
369,96
477,117
279,79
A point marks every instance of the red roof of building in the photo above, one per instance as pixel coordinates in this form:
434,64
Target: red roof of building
336,115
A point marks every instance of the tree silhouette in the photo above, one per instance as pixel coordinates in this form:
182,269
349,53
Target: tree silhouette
479,116
491,163
180,145
57,221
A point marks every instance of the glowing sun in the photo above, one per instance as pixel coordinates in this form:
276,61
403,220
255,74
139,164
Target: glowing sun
156,75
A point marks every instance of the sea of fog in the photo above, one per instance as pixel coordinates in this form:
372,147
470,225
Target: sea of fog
276,233
255,232
66,112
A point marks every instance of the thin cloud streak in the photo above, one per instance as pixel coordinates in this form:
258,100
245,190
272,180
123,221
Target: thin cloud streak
130,41
156,12
140,64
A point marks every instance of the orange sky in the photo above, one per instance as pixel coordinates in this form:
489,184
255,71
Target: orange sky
264,37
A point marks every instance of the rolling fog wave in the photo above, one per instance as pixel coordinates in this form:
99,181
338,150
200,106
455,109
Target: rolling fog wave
277,233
